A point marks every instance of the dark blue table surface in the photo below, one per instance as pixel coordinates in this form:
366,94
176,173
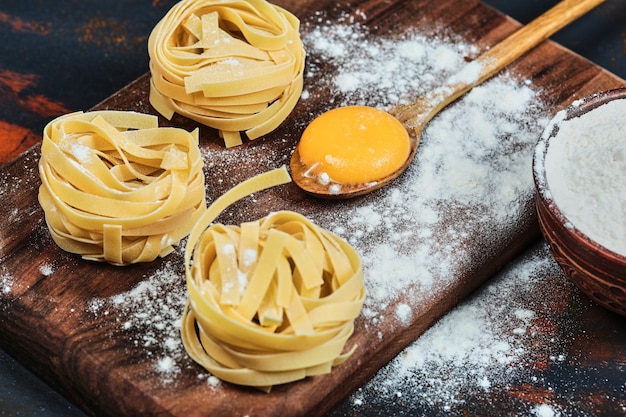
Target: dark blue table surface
599,36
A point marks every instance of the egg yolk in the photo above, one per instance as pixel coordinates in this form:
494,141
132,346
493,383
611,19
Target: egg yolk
354,145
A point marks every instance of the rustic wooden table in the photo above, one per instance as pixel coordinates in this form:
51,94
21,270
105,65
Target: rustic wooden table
57,57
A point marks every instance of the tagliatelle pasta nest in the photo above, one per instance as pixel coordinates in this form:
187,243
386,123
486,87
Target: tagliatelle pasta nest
270,301
236,66
118,188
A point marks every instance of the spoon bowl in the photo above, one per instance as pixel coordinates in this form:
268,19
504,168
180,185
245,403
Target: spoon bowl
416,115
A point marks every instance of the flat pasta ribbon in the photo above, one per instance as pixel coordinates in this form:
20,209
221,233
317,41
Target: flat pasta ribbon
118,188
270,301
231,65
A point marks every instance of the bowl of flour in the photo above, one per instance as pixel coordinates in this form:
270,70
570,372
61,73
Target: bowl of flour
579,169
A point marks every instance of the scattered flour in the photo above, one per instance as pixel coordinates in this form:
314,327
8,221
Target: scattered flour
6,284
150,314
404,312
378,71
472,178
474,349
544,410
14,184
46,270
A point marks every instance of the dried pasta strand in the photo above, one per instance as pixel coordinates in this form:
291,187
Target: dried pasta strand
248,246
232,65
263,274
228,270
270,313
117,188
280,331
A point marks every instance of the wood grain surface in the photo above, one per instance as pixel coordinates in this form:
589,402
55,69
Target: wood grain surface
47,321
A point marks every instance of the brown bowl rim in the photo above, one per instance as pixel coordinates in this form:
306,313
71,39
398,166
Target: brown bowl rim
575,109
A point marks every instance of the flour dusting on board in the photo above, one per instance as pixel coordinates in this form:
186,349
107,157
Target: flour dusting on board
469,186
471,180
485,344
6,284
149,315
377,71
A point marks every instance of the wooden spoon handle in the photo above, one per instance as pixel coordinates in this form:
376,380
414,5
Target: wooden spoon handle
531,35
418,113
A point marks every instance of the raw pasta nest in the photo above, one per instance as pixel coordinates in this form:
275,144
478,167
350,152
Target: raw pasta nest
231,65
270,301
118,188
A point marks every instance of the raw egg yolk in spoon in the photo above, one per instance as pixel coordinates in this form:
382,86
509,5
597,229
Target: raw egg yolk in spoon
353,145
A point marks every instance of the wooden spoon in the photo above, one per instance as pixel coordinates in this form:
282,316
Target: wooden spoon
418,113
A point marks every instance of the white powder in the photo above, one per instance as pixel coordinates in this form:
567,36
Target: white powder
46,270
81,152
585,168
544,410
404,312
474,350
213,381
6,284
150,316
14,184
249,258
166,364
228,249
379,71
468,74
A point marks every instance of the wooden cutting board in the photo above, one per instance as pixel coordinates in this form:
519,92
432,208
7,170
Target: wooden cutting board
48,320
